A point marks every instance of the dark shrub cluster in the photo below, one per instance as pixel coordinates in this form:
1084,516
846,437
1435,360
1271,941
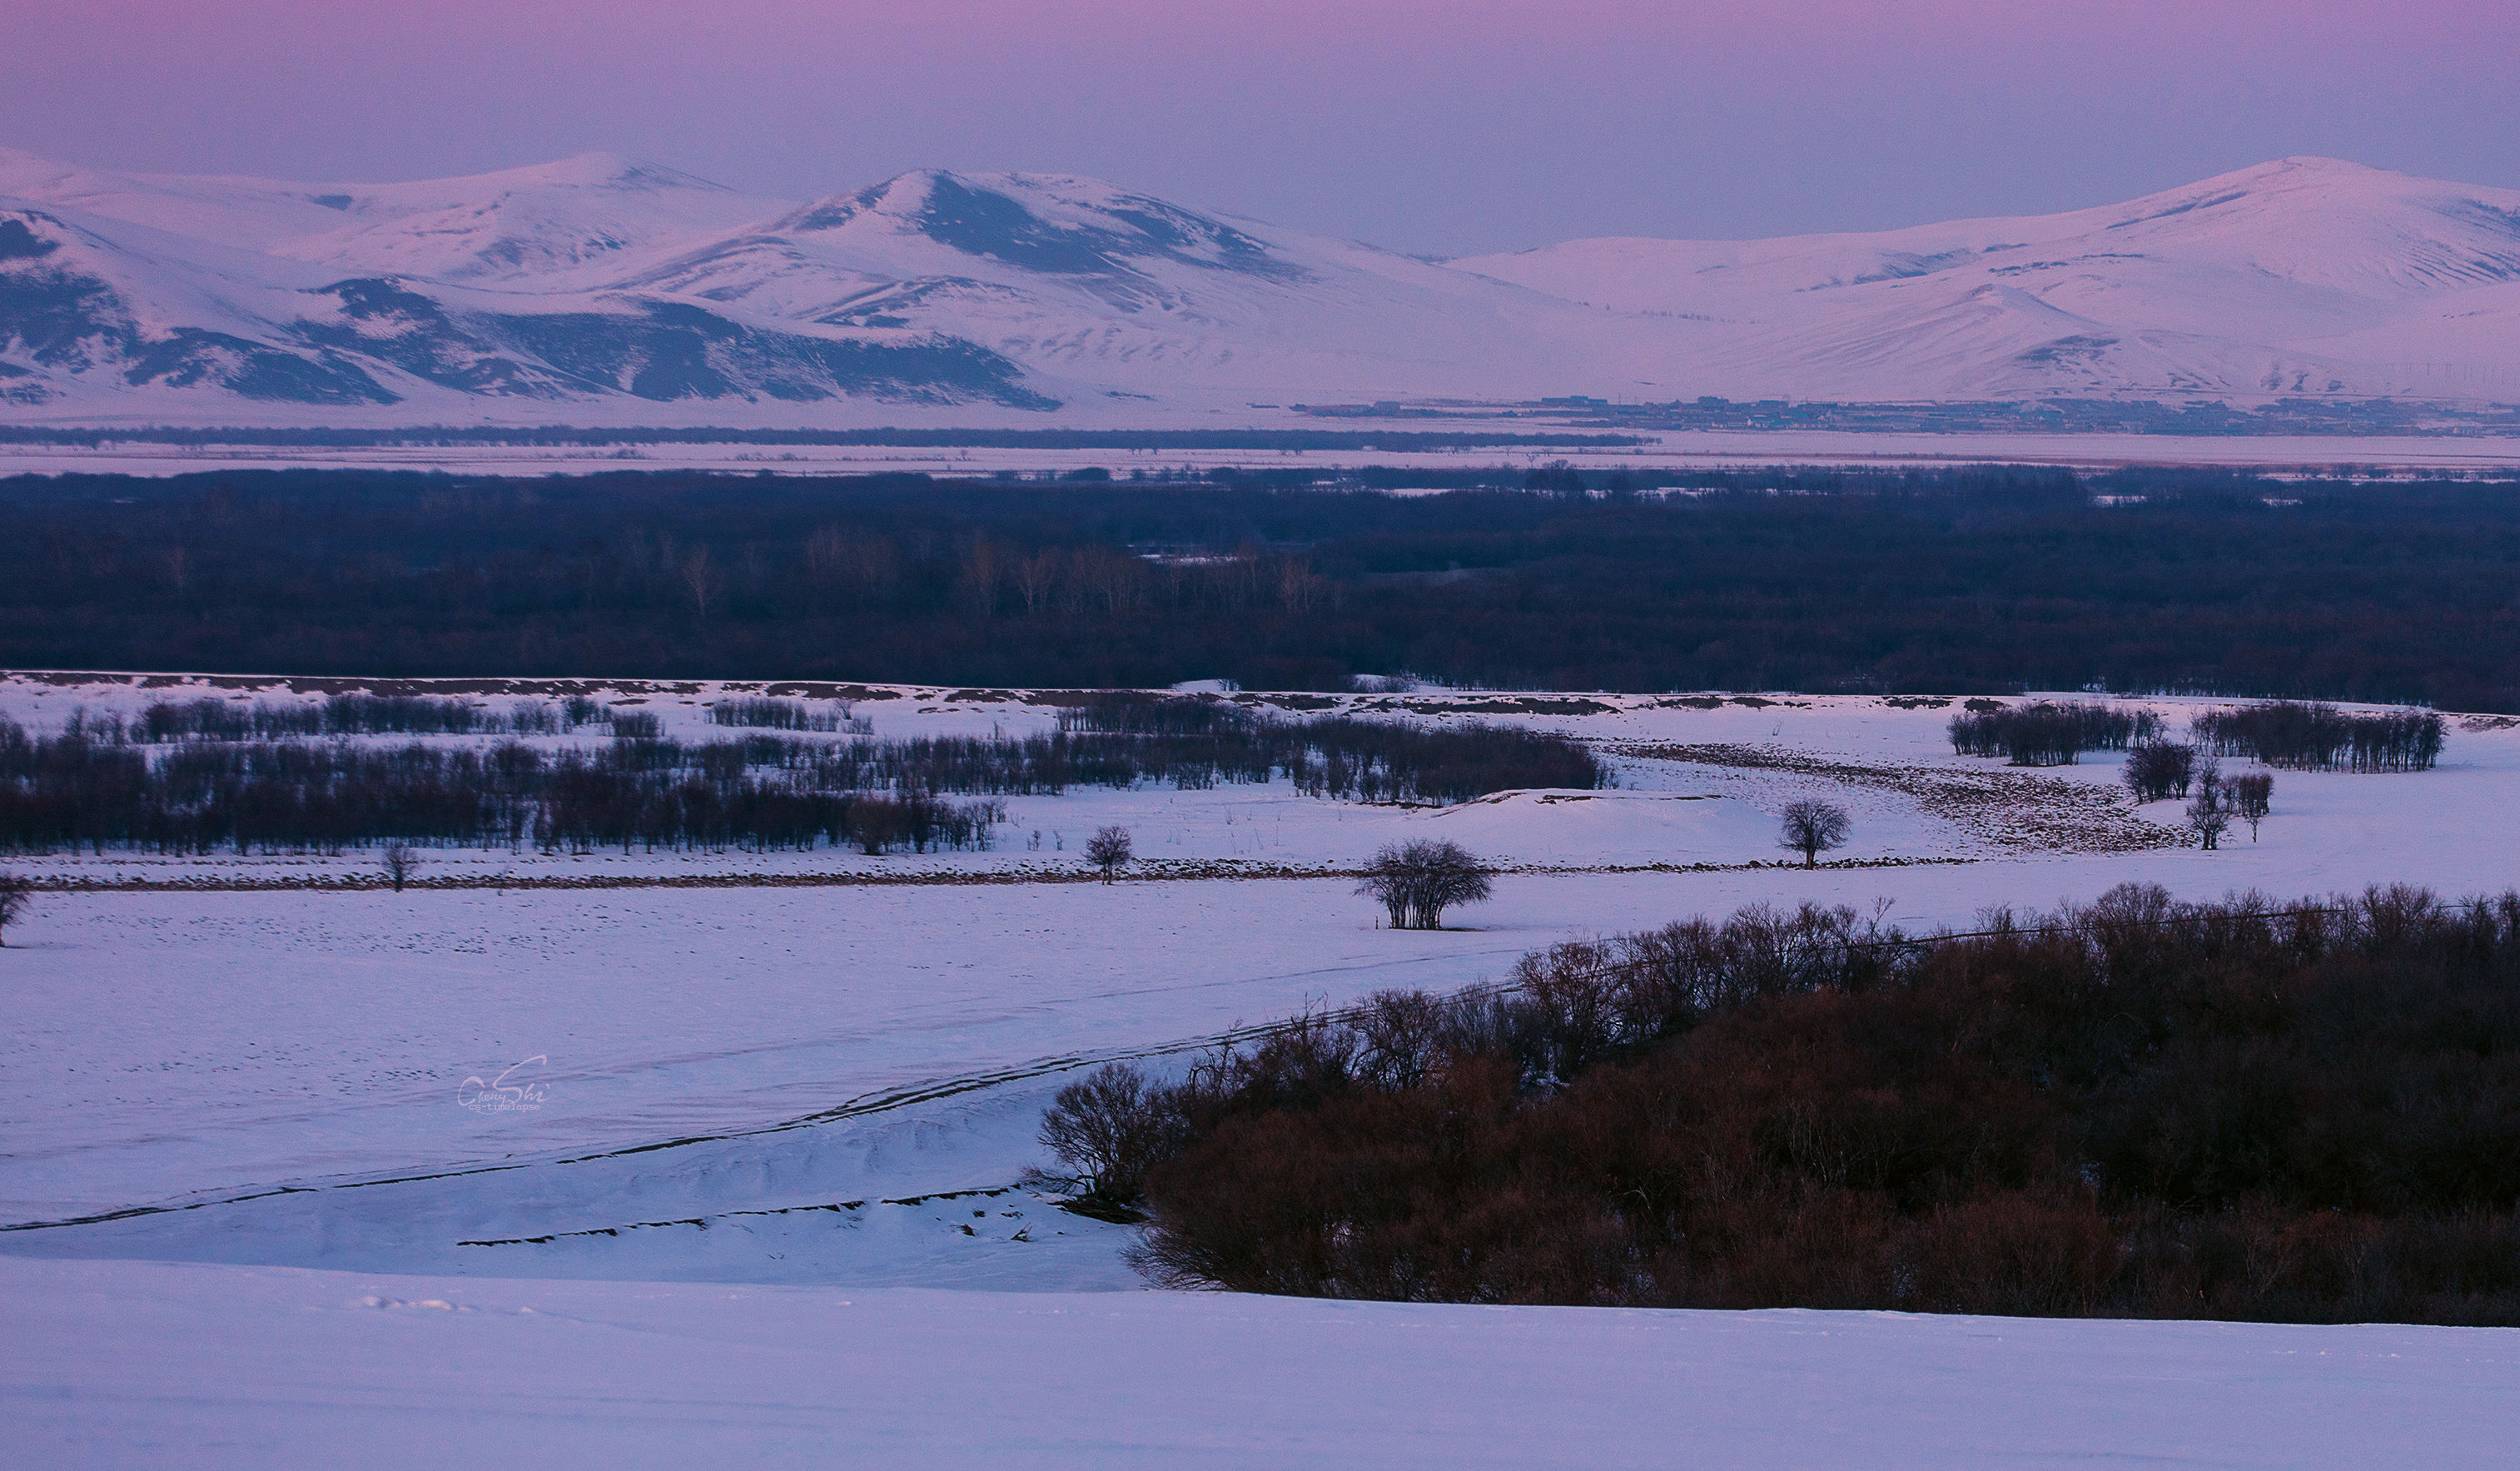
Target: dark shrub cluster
2158,770
2050,733
2311,737
2141,1107
762,794
208,718
779,715
100,784
1415,882
1196,743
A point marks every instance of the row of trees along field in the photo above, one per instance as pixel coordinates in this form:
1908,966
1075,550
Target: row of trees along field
1816,580
2139,1107
2292,735
177,781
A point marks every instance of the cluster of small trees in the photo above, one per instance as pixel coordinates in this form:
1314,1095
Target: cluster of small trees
211,719
789,715
327,797
2050,733
1415,881
2159,771
2311,736
2135,1109
2223,800
102,785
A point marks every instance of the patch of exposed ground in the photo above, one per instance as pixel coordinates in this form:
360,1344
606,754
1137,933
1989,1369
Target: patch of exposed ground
2012,810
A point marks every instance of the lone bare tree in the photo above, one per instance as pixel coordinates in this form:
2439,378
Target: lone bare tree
402,861
1812,828
1109,849
17,891
1416,881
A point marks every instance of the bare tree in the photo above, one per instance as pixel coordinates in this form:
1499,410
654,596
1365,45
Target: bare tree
700,579
1812,828
402,861
2207,816
17,891
1108,1130
2252,797
1109,848
1416,881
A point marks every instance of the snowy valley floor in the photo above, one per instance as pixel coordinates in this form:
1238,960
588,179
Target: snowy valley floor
760,1197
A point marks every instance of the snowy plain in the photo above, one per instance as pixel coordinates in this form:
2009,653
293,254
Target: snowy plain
820,1074
174,1366
1693,450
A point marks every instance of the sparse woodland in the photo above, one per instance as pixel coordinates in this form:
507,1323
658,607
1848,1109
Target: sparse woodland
202,775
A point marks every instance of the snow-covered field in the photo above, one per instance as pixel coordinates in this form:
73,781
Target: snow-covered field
144,1364
1702,449
813,1079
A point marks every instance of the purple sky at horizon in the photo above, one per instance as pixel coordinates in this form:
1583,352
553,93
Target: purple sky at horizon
1450,126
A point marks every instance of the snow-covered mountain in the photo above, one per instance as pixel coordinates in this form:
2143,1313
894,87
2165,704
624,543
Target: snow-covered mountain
597,289
2302,276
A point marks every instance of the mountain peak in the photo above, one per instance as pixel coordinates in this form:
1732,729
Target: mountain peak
1052,224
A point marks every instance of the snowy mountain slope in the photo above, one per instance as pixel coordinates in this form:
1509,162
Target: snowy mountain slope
105,314
1075,277
516,223
631,294
2302,275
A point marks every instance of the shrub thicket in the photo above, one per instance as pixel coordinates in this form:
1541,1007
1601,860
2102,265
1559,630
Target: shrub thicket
2140,1107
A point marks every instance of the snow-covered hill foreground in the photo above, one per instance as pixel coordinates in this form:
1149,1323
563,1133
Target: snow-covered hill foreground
601,290
263,1200
129,1364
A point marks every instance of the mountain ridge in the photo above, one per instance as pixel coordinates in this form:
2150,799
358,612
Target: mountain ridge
617,287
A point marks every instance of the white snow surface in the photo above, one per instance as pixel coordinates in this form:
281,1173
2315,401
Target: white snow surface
129,1364
1025,298
765,1112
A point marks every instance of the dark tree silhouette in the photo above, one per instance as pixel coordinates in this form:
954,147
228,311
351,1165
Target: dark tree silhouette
400,859
1812,828
1416,881
16,892
1107,1133
1109,848
2207,816
2252,797
2159,770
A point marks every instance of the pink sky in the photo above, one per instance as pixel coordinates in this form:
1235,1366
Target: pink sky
1436,125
